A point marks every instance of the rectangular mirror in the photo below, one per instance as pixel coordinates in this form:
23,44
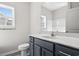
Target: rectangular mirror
59,17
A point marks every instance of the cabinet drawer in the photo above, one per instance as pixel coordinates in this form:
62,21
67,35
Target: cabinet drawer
44,44
66,51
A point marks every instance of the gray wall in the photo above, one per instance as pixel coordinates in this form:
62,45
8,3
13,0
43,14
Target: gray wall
10,39
74,4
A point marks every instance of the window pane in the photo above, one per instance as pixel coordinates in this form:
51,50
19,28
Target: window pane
43,22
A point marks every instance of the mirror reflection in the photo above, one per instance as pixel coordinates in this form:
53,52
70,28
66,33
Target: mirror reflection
53,16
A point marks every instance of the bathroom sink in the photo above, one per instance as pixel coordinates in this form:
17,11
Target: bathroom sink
54,37
48,37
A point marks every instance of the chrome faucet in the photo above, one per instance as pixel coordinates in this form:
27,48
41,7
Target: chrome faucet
52,34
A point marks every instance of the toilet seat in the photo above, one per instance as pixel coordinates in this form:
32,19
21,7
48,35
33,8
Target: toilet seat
23,48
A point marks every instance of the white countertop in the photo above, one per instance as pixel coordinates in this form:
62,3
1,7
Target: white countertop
68,41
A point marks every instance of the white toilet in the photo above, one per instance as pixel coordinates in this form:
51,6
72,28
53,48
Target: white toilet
23,48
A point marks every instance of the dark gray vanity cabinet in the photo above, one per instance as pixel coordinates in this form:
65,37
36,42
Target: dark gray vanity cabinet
31,49
34,49
40,47
45,52
46,48
40,51
37,50
61,50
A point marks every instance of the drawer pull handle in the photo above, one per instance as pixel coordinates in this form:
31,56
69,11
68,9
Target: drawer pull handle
64,53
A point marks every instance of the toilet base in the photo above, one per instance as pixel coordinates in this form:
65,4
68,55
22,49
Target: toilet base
23,53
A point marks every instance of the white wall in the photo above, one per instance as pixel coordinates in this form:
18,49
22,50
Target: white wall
10,39
35,22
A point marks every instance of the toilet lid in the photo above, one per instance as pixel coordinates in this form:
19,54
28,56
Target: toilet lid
23,46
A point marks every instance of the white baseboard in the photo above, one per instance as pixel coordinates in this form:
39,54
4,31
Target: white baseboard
10,52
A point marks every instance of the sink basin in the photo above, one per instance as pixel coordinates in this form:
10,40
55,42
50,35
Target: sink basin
48,37
52,37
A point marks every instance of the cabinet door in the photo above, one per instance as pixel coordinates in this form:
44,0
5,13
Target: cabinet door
66,51
37,50
60,53
31,49
45,52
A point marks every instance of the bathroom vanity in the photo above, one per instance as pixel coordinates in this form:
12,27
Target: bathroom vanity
65,20
54,46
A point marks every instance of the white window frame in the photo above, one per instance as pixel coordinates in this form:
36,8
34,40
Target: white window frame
43,23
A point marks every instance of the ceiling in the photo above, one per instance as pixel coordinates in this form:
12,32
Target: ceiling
54,5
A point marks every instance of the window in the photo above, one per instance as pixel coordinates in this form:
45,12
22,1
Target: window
43,23
59,25
7,17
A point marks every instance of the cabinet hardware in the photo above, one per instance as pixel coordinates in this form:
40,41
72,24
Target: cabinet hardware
64,53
